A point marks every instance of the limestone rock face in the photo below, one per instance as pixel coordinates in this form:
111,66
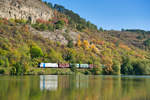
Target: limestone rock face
25,9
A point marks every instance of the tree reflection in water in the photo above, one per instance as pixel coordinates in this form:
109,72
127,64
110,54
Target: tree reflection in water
77,87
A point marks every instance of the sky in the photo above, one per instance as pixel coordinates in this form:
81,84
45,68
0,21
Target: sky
111,14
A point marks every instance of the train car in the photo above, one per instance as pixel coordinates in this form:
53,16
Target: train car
84,66
48,65
63,65
91,66
77,65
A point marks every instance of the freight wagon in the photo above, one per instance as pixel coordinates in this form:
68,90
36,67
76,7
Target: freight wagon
77,65
64,65
60,65
84,65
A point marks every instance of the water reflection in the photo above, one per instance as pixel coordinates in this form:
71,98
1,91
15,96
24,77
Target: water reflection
48,82
82,81
53,87
51,82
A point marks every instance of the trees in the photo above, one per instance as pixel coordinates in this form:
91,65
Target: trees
36,51
116,68
69,55
101,29
126,67
147,43
141,67
54,56
80,27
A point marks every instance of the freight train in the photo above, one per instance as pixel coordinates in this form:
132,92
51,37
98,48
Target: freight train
64,65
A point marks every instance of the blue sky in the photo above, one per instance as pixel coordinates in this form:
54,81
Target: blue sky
111,14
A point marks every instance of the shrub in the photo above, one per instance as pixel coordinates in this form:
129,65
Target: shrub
87,72
59,24
116,68
141,67
54,56
2,71
70,44
13,71
147,43
17,69
36,51
97,70
80,27
2,62
43,27
21,21
50,27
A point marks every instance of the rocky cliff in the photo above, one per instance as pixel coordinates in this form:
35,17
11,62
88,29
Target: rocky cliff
25,9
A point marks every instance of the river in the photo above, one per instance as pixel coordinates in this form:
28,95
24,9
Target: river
74,87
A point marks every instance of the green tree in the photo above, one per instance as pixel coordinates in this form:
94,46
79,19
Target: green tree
101,29
17,69
36,51
70,44
126,67
116,68
141,67
147,43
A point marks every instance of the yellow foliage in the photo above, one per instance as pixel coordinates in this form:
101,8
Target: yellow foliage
86,44
79,37
124,47
93,47
79,43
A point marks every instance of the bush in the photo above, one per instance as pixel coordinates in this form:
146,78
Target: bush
43,27
2,71
4,61
36,51
70,44
54,56
147,43
17,69
80,27
50,27
97,70
59,24
141,68
87,72
21,21
13,71
116,68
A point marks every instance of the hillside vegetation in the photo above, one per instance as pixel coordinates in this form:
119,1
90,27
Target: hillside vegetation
68,38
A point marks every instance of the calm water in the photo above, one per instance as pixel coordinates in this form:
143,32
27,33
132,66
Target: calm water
53,87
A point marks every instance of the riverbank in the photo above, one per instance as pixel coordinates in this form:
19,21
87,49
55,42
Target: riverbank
49,71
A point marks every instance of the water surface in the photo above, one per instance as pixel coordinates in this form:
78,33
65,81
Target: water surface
79,87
